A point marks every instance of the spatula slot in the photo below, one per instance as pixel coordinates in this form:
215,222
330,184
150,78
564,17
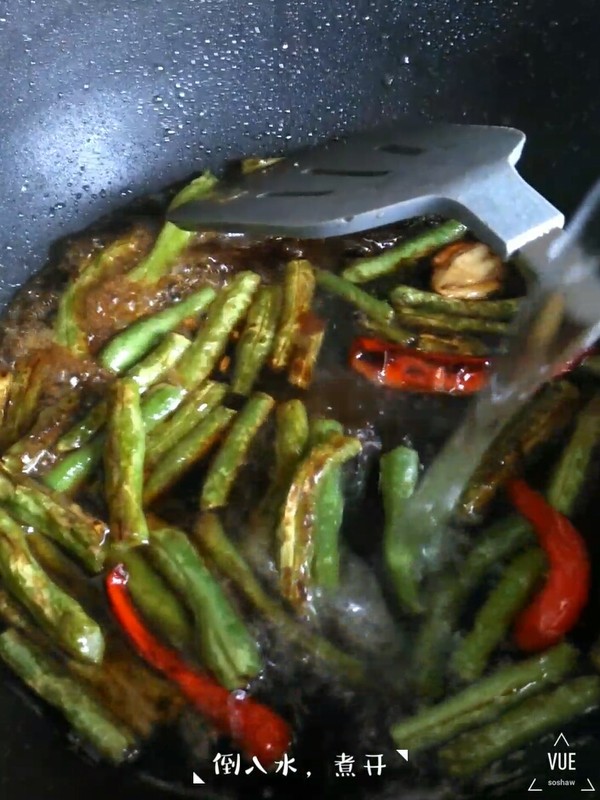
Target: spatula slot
351,173
294,194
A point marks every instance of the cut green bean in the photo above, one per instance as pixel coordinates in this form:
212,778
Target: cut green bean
159,605
124,465
249,165
225,644
431,302
398,476
196,406
233,453
486,699
296,528
56,612
128,346
472,751
6,380
298,290
256,339
427,342
33,505
224,315
446,323
549,412
221,552
69,474
500,541
291,438
172,241
23,403
47,679
378,310
305,353
515,587
406,253
186,452
152,369
67,329
329,512
570,472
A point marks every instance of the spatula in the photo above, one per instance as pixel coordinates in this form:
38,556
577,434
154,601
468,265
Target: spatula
382,176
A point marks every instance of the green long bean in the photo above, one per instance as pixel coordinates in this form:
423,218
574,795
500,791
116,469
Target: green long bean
233,452
220,551
474,750
256,339
34,505
298,290
378,310
186,452
155,367
328,513
171,241
224,315
296,528
431,302
544,416
225,644
124,465
448,323
486,699
398,475
406,253
56,612
128,346
195,407
516,585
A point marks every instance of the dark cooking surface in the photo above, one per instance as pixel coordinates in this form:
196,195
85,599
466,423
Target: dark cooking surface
102,101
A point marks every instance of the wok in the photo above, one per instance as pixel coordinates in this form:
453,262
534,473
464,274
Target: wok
104,100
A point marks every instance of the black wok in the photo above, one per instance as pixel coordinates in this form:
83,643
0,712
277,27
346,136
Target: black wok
103,101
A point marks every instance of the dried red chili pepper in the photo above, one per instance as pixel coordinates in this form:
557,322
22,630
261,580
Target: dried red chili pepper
257,729
402,368
558,606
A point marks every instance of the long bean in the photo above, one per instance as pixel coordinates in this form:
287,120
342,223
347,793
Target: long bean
448,323
186,452
256,339
124,465
56,612
216,545
225,644
291,437
46,678
127,347
159,605
298,290
296,529
224,315
26,390
399,472
500,540
67,329
472,751
196,406
233,452
305,353
407,252
171,241
378,310
329,511
569,474
516,585
431,302
67,523
544,416
486,699
6,379
68,474
147,372
121,684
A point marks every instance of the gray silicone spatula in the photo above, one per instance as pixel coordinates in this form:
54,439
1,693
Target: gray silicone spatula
382,176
